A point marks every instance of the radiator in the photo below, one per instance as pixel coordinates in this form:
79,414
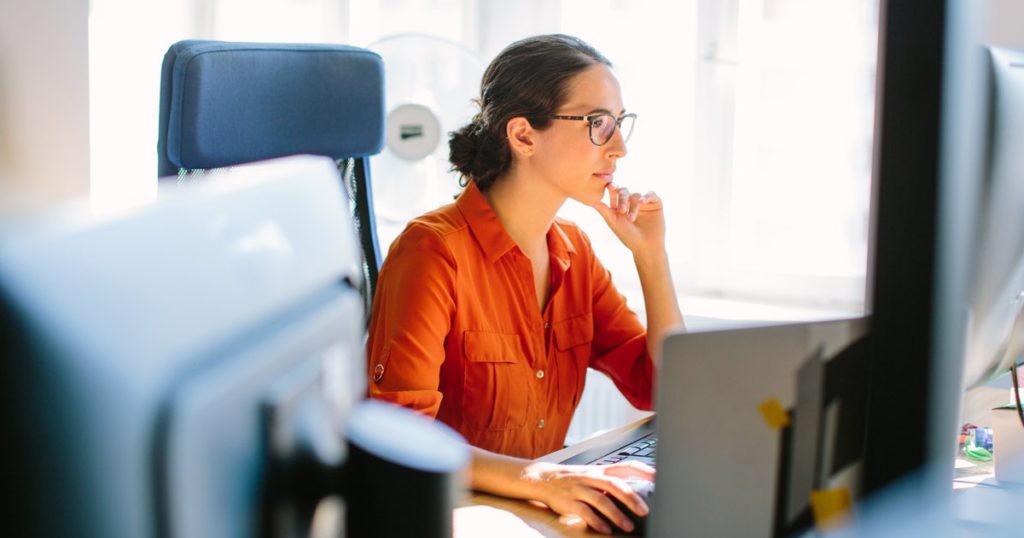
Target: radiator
602,408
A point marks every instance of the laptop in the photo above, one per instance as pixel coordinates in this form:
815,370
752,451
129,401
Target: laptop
637,444
749,422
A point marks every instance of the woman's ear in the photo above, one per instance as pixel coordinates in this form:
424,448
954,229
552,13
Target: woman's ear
521,136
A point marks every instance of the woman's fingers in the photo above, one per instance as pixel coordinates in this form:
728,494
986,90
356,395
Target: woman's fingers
593,493
587,514
623,202
630,469
588,493
651,201
618,198
636,219
618,488
635,200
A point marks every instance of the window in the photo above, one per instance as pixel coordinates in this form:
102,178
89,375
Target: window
785,94
370,20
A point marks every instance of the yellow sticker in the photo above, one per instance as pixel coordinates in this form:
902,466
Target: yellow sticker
774,414
831,508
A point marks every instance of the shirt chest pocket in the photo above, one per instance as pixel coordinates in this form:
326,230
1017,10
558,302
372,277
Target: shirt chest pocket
494,391
573,339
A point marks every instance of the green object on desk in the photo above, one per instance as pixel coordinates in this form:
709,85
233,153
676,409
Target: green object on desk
977,453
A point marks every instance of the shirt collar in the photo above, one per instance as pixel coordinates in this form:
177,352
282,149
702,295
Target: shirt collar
559,246
484,223
491,235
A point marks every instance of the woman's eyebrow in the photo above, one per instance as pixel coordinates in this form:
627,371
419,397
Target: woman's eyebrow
603,110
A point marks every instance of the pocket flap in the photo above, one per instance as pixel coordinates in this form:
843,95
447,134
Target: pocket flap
573,331
483,346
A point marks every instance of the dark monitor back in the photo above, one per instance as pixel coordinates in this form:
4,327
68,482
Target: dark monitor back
948,245
138,350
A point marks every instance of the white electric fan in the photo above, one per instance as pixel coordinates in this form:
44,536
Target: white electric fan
430,83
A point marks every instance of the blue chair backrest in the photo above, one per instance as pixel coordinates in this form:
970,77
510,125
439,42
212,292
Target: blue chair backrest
223,104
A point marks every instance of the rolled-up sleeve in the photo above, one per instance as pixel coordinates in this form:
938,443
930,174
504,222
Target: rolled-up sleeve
620,340
411,316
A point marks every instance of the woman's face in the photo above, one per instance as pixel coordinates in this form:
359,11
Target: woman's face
566,158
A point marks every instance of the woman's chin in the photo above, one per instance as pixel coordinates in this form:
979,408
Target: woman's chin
589,198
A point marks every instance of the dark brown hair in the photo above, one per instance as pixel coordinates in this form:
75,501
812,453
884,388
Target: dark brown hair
528,79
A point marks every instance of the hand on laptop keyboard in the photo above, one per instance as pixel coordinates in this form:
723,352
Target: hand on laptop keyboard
597,494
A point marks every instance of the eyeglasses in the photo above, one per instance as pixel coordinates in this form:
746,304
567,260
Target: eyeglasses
602,126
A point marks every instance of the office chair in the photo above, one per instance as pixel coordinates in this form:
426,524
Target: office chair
223,104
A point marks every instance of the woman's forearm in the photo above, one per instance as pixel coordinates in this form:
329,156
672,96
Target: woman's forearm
660,303
499,474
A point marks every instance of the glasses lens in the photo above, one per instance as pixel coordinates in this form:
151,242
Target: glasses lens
628,122
601,129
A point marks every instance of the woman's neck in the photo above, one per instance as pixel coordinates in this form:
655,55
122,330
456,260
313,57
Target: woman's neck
525,207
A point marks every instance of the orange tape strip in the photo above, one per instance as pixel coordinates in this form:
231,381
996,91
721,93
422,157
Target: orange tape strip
774,414
831,508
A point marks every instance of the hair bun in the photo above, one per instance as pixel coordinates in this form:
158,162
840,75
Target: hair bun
463,146
475,155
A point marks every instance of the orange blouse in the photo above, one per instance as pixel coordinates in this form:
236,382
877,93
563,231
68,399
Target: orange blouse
456,332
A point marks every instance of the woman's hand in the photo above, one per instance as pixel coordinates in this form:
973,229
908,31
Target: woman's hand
638,220
580,490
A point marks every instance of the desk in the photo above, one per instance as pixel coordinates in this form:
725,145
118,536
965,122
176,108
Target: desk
979,501
480,514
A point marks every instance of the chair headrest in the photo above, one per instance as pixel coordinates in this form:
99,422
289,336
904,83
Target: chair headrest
229,103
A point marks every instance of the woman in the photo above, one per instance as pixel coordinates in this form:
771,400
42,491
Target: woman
488,311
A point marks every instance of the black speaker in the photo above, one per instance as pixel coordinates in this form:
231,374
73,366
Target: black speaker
403,474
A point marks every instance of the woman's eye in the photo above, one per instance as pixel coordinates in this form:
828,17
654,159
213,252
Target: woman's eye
598,123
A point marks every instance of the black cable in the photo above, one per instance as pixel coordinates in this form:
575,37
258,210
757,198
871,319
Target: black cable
1016,391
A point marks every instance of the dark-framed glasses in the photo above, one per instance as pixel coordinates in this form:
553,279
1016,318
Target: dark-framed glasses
602,126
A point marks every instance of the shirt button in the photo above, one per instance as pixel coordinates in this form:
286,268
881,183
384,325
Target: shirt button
540,374
546,325
378,372
540,423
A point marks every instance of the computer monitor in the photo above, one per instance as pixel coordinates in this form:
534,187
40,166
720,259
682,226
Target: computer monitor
995,319
154,361
948,234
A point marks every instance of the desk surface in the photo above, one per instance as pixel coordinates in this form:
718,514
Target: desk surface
480,514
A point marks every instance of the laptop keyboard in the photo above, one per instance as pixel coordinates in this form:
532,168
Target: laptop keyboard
643,449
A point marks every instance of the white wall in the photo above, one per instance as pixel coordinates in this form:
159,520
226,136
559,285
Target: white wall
1005,24
502,23
44,100
127,42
